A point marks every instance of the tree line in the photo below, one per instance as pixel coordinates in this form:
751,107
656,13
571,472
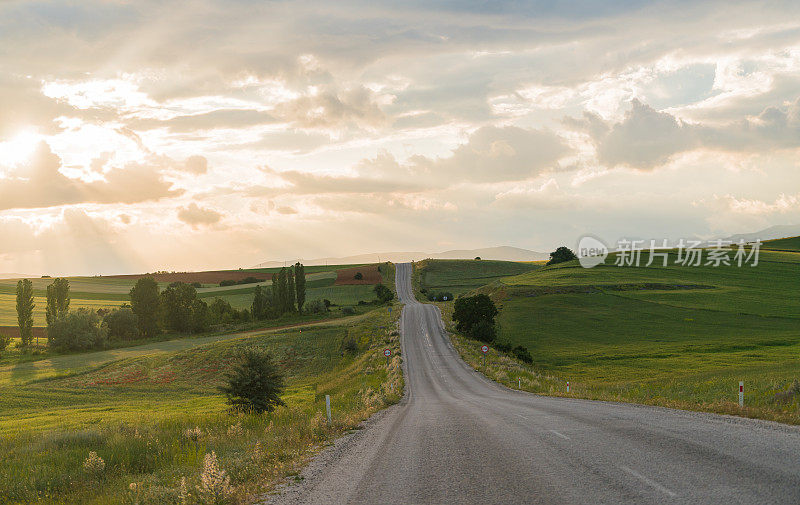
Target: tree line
152,311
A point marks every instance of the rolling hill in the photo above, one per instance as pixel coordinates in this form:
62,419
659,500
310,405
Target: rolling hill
502,253
675,336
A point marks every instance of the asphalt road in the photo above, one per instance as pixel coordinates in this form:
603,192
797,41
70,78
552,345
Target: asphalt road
460,438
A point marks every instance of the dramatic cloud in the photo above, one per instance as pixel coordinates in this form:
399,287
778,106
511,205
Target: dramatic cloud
647,138
40,184
196,216
196,164
399,125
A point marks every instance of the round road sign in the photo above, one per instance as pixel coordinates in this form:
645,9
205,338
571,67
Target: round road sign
387,353
484,349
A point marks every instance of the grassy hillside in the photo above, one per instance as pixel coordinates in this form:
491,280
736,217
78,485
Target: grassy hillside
134,412
676,336
460,276
783,244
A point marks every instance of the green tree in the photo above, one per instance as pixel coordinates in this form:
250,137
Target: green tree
290,292
78,331
255,384
283,292
300,285
122,324
57,300
257,308
383,293
181,310
146,304
474,317
276,296
561,255
25,308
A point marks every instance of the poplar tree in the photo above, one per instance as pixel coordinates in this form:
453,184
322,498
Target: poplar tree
300,285
25,307
57,301
276,299
258,304
283,298
290,294
146,304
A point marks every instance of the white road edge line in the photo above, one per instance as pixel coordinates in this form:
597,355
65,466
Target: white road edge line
649,482
554,432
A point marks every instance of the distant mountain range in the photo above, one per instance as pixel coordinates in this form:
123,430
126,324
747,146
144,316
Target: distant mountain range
773,232
506,253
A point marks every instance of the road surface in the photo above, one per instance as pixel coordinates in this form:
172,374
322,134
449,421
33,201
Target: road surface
460,438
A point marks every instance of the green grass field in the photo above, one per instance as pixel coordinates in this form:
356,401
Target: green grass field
460,276
105,292
134,406
783,244
675,336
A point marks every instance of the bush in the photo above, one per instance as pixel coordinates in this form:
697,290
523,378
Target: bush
221,312
122,323
316,307
358,276
471,310
327,303
502,347
78,331
255,384
197,285
522,354
483,330
383,293
4,341
348,311
349,345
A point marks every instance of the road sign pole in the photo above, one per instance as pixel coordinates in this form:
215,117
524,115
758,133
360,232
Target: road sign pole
741,394
328,407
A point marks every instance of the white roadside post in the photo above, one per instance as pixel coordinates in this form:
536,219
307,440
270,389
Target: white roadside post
741,394
519,383
567,386
484,350
328,407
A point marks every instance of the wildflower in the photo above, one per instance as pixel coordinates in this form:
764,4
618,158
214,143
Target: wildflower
183,491
235,430
194,434
215,485
94,464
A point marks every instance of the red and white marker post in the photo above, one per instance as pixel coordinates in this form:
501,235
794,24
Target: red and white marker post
567,386
741,394
484,350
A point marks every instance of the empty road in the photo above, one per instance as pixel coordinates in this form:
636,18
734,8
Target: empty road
460,438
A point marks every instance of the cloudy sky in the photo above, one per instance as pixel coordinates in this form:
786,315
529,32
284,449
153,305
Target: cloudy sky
140,135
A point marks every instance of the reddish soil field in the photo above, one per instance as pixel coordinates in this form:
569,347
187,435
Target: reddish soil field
13,331
370,272
210,277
